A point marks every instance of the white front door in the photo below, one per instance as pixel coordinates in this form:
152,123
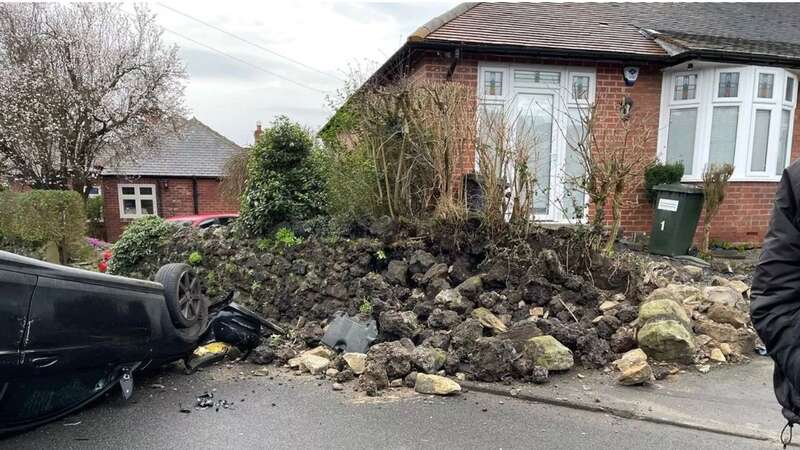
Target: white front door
545,115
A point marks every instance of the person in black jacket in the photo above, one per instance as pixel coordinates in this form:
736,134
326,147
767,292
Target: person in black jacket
775,306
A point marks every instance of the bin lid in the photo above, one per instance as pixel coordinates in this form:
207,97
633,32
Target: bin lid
679,187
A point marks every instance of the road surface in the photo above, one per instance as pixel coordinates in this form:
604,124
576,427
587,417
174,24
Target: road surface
287,411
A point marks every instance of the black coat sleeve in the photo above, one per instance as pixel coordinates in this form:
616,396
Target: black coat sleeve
775,306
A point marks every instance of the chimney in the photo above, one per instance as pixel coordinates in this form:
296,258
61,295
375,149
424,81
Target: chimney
257,133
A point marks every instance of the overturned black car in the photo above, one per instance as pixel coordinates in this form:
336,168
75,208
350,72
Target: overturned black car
67,335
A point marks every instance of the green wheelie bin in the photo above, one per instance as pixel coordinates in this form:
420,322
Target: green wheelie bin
677,211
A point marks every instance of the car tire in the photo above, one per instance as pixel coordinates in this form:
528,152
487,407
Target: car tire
186,303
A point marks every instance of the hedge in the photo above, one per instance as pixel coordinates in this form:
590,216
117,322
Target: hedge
40,217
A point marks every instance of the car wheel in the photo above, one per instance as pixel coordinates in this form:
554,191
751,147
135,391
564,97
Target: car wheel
186,303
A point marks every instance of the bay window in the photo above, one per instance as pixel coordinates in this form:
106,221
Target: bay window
725,114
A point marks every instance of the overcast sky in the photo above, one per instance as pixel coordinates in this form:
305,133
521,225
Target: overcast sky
230,96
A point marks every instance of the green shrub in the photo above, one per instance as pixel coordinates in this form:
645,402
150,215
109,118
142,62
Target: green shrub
94,215
286,238
141,239
285,180
660,173
350,184
41,217
195,258
365,308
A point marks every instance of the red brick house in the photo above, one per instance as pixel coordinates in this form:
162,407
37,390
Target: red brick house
181,176
720,81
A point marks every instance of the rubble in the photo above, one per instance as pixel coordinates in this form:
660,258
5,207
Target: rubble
633,368
356,362
435,384
547,352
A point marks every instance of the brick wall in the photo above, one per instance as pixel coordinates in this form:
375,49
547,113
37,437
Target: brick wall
746,212
173,195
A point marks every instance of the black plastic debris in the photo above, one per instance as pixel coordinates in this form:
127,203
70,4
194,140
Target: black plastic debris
205,400
349,334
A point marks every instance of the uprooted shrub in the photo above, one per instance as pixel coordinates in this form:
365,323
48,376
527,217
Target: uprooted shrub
400,147
40,217
140,242
284,179
715,184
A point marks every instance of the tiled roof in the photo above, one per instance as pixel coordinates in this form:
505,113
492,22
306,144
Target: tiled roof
621,28
195,151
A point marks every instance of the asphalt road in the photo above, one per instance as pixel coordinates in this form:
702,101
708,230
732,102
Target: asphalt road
285,411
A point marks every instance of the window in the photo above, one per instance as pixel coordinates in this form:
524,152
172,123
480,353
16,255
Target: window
493,83
783,141
580,87
766,82
680,143
724,123
728,85
137,200
522,77
758,163
720,113
685,87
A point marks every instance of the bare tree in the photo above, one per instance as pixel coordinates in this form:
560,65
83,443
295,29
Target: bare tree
613,150
715,185
82,85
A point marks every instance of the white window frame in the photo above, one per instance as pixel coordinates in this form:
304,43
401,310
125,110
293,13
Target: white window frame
748,102
697,88
137,197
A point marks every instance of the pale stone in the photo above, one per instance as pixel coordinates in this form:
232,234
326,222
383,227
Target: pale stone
608,305
314,364
435,384
489,320
634,368
322,351
667,340
663,308
547,352
357,362
694,272
537,311
717,355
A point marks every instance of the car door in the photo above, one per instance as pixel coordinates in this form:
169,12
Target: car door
79,337
15,297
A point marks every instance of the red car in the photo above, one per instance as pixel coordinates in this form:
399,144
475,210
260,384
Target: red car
203,220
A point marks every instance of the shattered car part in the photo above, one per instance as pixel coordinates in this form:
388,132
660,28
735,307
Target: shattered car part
67,335
350,334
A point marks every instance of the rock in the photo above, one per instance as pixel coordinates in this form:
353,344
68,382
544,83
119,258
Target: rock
608,305
373,379
623,340
420,261
438,270
741,287
536,311
316,365
667,340
693,272
726,349
344,376
396,383
397,272
717,355
633,368
435,384
592,351
438,339
263,354
411,379
489,299
443,319
489,320
450,299
399,324
322,351
471,287
552,266
663,308
428,359
726,314
311,333
741,340
464,336
492,358
547,352
539,375
703,368
393,356
357,362
337,387
331,372
724,295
